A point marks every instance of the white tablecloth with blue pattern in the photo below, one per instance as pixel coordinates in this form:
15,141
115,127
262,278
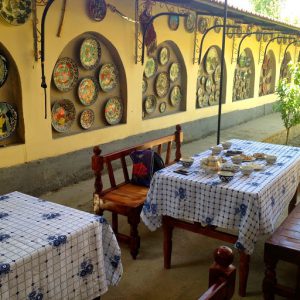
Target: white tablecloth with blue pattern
249,204
50,251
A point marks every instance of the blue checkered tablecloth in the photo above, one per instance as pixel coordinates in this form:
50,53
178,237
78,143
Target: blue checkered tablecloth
249,204
49,251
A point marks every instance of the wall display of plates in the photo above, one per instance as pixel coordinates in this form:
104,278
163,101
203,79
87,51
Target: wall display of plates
88,91
190,22
113,110
174,71
65,74
15,12
87,118
217,22
211,60
162,107
265,83
150,104
202,25
144,86
108,77
90,53
97,9
175,96
150,67
8,120
62,115
164,56
3,69
162,84
173,22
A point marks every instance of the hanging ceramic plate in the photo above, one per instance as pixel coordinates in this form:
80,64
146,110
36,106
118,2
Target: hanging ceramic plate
8,120
202,80
217,74
164,55
173,22
175,96
217,96
108,77
144,86
150,104
174,71
200,91
15,12
211,100
65,74
211,60
190,22
87,118
202,25
258,36
97,9
279,40
265,37
90,52
205,99
218,23
3,70
88,91
162,107
62,115
113,110
208,85
230,32
162,84
150,67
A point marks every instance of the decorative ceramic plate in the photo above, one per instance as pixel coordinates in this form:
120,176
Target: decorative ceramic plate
174,71
3,70
8,120
217,74
242,59
230,32
200,91
202,25
164,55
97,9
211,99
162,107
217,22
87,118
108,77
217,96
265,37
65,74
202,80
162,84
90,52
258,36
205,100
211,60
279,40
15,12
208,85
239,32
150,104
144,86
62,115
175,96
190,22
150,67
113,110
88,91
173,22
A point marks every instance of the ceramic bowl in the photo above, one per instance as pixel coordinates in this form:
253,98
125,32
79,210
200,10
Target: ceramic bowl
271,159
186,161
225,176
226,145
230,167
236,159
215,150
246,170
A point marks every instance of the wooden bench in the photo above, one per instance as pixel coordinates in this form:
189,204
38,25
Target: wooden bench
284,244
125,198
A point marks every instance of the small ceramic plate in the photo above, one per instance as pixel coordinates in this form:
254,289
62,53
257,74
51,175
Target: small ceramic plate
150,67
108,77
174,71
15,12
90,53
97,9
173,22
208,85
217,74
3,70
202,25
190,22
144,86
162,84
88,91
87,118
162,107
113,110
164,55
8,120
218,23
175,96
150,104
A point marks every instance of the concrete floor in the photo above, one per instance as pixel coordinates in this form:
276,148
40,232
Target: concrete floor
145,278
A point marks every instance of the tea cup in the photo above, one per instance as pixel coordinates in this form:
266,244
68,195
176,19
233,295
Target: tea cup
246,170
236,159
216,150
225,176
226,145
271,159
186,161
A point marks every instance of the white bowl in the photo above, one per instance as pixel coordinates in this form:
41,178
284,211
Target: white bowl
236,159
271,159
225,176
226,145
246,170
186,161
216,150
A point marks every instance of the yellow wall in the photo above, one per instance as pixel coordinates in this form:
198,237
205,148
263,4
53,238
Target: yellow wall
39,142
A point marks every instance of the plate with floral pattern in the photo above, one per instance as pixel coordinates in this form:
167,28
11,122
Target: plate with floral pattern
62,115
97,10
15,12
88,91
87,118
218,23
162,107
173,22
65,74
164,55
190,22
176,95
211,60
113,110
162,84
174,71
3,70
150,67
108,77
144,86
8,120
90,53
150,104
202,25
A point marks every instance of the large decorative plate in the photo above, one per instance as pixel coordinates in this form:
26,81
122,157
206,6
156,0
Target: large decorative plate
108,77
3,70
164,55
174,71
211,60
87,118
90,52
150,67
8,120
190,22
173,22
150,104
175,96
144,86
218,23
65,74
97,9
62,115
162,84
113,110
15,12
88,91
202,25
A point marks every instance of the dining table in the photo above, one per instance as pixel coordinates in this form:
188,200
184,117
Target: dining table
50,251
200,201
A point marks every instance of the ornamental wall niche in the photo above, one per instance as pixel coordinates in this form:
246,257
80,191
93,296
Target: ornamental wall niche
243,82
284,71
88,87
11,111
164,82
208,81
267,75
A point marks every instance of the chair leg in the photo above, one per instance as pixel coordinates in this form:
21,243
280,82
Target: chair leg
243,272
270,280
168,234
114,223
134,220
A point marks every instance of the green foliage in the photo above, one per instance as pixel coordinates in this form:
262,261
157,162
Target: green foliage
288,104
270,8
